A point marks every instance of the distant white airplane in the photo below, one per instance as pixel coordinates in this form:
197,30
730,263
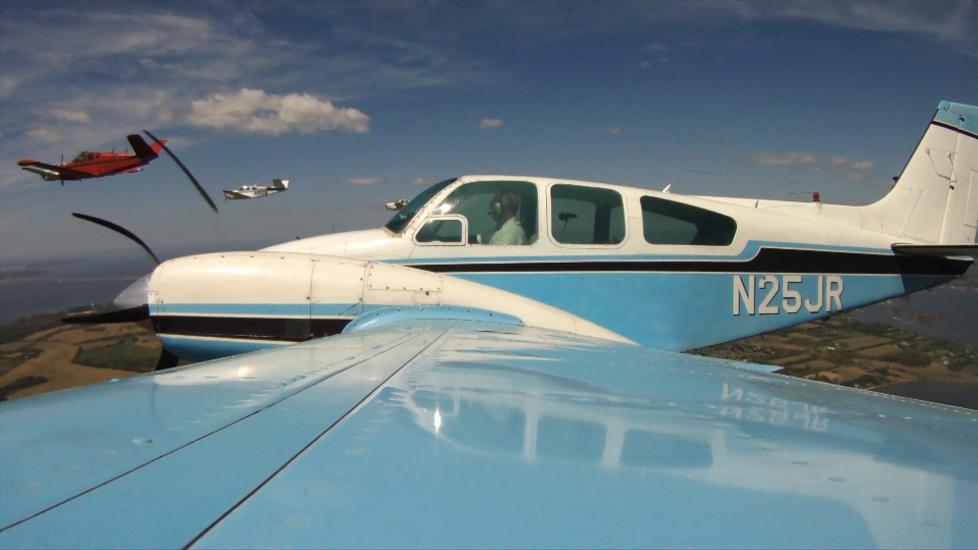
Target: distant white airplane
256,191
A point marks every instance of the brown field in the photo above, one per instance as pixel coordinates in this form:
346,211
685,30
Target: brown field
51,355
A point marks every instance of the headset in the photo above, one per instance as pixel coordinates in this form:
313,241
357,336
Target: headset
496,206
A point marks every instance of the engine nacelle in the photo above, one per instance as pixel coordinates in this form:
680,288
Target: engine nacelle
217,304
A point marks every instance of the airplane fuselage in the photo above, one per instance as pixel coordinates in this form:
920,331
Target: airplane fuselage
743,276
94,165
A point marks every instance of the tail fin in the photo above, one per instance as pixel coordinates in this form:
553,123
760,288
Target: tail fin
935,199
280,184
142,149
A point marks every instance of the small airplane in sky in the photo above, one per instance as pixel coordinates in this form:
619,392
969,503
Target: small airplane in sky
97,164
503,365
256,191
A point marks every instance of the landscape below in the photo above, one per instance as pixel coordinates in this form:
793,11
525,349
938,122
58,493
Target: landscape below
38,354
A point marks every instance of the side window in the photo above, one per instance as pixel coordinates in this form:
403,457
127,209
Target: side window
441,231
670,222
586,215
497,212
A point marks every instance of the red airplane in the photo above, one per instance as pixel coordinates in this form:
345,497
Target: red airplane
98,164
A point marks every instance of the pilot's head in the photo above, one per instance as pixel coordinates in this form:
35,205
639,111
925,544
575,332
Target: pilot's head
503,206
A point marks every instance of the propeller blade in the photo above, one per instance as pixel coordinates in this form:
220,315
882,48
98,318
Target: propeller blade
193,180
167,360
118,229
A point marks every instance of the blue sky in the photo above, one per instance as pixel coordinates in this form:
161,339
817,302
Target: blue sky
360,103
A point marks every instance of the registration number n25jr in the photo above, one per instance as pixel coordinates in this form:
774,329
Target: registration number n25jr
759,294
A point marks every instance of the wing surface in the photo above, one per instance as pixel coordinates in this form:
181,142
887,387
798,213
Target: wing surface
234,195
43,168
433,433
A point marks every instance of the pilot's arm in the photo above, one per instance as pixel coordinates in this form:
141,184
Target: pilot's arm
511,233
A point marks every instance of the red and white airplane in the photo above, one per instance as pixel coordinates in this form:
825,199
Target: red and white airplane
97,164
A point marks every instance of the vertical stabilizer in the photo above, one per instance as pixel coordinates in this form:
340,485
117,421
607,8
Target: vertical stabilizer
935,200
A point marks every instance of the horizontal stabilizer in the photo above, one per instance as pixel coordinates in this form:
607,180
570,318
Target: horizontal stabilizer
936,250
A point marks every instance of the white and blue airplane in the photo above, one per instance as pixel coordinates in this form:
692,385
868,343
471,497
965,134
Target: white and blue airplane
256,191
501,365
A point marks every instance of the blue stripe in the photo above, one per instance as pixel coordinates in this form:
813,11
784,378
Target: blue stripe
303,309
751,249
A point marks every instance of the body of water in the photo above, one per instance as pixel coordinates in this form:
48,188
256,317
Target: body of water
66,284
942,312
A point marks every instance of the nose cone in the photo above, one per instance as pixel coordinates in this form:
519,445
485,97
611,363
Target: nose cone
134,295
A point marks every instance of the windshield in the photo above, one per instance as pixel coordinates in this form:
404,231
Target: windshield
404,215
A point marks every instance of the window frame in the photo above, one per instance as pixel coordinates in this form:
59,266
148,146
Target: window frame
624,210
449,191
438,218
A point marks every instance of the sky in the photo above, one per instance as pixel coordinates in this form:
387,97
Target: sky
360,103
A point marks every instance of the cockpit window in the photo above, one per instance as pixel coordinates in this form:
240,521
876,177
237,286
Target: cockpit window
404,215
499,213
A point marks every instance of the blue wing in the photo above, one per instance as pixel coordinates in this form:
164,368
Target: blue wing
432,433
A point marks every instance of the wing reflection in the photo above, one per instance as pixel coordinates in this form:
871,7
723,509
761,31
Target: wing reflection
727,428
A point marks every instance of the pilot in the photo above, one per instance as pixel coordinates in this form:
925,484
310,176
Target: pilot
502,210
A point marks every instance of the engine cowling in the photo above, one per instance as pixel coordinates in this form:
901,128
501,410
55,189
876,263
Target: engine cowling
217,304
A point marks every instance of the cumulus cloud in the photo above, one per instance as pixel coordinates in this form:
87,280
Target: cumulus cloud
257,112
79,117
794,157
363,182
490,123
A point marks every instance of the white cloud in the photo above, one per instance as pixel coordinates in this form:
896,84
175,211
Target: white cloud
254,111
363,182
419,181
45,134
614,130
490,123
656,47
795,157
840,161
80,117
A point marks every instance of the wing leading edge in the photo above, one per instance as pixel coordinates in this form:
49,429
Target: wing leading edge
468,433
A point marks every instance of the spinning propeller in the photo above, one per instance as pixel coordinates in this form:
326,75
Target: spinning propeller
190,176
132,301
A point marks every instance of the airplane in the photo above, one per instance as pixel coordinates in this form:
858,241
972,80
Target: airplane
503,364
97,164
256,191
100,164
